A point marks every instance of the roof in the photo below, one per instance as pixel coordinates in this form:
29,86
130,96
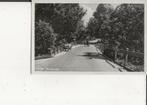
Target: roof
95,41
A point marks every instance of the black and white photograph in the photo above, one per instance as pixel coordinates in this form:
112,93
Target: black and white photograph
73,52
95,37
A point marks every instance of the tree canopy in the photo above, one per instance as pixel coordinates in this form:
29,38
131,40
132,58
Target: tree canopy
123,24
64,19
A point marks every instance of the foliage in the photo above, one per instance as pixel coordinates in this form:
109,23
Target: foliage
92,27
99,23
128,25
57,24
63,17
44,37
122,26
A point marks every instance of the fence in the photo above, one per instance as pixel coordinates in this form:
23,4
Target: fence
131,60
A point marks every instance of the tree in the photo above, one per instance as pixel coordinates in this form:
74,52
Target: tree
63,17
102,19
127,22
92,27
44,37
57,24
123,25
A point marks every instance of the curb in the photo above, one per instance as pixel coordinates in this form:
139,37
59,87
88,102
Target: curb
122,69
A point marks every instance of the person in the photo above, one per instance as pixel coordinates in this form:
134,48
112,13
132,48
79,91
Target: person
87,42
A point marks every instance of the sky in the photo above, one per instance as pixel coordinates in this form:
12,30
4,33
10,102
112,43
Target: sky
91,8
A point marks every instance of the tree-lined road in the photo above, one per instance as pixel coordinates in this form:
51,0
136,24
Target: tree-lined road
80,58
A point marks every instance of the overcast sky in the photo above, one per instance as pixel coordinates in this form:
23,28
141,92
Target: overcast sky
91,8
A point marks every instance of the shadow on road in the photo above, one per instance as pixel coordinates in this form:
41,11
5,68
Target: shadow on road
93,55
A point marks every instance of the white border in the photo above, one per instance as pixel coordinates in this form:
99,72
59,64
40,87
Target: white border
85,1
88,1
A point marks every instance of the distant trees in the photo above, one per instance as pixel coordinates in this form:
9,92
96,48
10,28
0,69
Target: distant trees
99,23
80,33
56,24
92,27
123,24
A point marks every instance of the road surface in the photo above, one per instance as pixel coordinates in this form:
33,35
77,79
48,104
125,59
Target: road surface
79,58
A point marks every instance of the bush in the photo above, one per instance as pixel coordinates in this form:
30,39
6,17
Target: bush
44,37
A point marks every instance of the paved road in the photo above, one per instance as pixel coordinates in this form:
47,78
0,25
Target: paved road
80,58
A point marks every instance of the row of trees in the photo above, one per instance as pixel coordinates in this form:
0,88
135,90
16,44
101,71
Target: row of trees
122,26
57,24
